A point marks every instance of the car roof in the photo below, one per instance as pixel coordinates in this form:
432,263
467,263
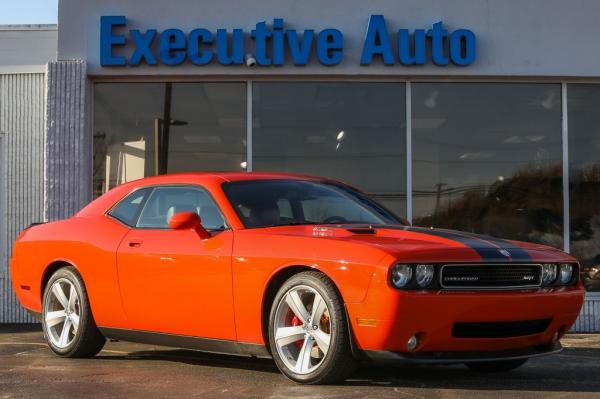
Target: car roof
107,200
239,176
222,176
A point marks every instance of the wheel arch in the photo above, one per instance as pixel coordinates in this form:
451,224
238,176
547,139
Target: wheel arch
273,285
52,268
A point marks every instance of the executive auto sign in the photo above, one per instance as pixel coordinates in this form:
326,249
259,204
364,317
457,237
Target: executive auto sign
274,45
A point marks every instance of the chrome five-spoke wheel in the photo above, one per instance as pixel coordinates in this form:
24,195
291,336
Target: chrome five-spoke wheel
62,313
67,319
309,335
302,329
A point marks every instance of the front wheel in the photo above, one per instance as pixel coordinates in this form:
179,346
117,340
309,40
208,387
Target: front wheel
496,366
67,319
308,332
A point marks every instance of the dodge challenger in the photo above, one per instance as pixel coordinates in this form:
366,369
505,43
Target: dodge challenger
306,270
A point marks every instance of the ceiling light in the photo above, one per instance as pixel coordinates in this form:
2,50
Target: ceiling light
431,101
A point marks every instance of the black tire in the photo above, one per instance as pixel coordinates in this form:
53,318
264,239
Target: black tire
496,366
88,340
338,363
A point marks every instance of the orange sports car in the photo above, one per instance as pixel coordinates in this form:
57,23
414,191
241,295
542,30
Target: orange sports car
306,270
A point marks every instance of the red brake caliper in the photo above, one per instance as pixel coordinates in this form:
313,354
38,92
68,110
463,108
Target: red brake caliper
296,322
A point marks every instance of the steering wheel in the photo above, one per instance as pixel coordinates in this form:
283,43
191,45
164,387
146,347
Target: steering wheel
334,219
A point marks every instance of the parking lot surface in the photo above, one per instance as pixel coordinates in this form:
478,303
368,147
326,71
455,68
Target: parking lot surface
29,369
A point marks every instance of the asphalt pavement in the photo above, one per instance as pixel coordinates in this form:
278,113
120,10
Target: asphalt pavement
28,369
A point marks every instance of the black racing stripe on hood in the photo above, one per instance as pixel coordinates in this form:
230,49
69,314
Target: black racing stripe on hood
516,253
487,247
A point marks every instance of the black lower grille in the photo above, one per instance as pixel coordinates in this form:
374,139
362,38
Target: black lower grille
489,276
500,329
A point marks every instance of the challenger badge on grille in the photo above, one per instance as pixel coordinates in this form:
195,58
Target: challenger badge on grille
490,276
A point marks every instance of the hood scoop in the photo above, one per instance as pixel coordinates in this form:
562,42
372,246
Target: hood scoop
339,231
362,230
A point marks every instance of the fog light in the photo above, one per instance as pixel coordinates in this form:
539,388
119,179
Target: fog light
401,275
412,343
424,275
566,273
549,273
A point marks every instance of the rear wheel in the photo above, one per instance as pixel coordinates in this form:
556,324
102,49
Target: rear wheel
67,320
308,333
496,366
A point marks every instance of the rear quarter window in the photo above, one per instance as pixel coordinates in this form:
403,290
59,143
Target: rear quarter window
128,209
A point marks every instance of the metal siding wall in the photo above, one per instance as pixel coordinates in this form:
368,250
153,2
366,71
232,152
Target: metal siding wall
68,147
589,318
22,108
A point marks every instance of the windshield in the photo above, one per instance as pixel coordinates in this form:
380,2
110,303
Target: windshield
266,203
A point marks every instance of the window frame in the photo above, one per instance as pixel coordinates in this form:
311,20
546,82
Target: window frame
227,225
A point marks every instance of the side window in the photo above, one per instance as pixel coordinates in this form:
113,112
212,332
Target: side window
129,208
164,202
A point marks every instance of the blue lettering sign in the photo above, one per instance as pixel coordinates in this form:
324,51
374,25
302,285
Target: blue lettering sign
274,45
108,40
377,42
462,47
418,44
278,42
172,47
412,49
197,38
236,56
143,47
300,50
330,43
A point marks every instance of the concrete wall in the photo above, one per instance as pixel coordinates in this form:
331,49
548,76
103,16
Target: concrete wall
22,108
68,177
26,48
530,38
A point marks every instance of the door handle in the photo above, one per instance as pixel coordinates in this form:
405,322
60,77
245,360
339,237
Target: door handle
135,243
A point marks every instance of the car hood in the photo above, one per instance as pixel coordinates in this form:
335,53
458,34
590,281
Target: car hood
418,244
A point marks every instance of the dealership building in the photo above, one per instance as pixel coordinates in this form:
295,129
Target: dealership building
472,115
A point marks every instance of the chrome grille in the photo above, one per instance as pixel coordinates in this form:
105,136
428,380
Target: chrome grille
490,276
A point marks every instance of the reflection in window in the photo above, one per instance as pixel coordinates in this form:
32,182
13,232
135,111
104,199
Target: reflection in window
206,130
487,159
354,132
584,175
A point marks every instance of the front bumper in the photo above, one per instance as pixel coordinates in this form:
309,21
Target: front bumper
388,318
462,357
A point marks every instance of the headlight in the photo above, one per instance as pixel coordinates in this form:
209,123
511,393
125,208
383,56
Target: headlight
566,273
401,275
424,275
548,273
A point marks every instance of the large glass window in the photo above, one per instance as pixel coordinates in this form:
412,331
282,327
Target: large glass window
164,202
354,132
584,175
487,158
143,129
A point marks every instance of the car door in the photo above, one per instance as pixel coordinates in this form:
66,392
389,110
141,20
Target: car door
172,281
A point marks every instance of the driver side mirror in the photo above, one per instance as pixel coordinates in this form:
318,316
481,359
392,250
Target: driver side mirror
188,221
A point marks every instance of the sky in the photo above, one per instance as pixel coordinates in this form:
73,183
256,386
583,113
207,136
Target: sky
16,12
